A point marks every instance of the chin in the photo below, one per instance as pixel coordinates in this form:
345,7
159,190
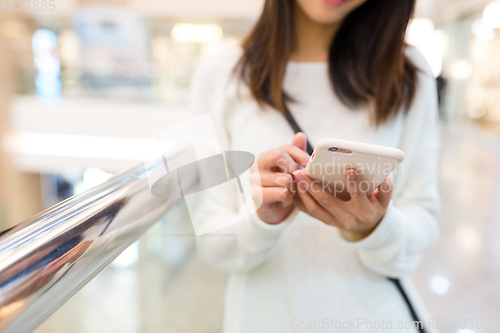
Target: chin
328,17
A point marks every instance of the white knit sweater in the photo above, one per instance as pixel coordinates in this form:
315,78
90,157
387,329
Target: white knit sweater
300,275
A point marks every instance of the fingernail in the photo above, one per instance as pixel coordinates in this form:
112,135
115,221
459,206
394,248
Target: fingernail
298,175
351,174
385,185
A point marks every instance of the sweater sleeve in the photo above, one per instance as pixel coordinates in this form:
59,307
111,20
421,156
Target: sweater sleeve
409,228
245,241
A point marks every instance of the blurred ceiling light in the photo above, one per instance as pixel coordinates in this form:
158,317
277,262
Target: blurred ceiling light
69,49
185,33
209,33
211,49
196,33
439,284
432,43
476,110
482,32
128,258
95,176
461,70
86,146
91,178
491,15
435,51
468,239
419,31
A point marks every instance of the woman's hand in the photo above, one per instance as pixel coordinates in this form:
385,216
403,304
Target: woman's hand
355,218
274,182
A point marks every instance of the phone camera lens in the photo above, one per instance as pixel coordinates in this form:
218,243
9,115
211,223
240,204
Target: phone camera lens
333,149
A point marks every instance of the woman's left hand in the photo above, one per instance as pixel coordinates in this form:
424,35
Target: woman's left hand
357,217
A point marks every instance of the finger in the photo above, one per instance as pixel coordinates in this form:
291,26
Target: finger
269,159
276,159
363,207
299,155
285,159
306,203
299,203
384,192
300,141
273,179
276,194
357,188
325,199
310,206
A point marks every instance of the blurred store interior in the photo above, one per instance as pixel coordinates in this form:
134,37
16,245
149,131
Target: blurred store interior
83,85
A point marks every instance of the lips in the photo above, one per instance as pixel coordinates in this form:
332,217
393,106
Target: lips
336,2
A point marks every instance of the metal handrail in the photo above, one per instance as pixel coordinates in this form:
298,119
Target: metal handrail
47,259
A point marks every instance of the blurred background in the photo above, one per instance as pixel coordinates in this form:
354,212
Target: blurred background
84,82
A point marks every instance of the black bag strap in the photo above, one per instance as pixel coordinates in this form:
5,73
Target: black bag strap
297,129
396,282
414,315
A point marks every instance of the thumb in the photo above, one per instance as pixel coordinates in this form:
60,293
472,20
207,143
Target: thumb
300,141
384,192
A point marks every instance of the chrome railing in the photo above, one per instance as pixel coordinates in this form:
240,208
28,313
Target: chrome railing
45,260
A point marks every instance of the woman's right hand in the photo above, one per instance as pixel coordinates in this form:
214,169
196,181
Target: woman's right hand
274,181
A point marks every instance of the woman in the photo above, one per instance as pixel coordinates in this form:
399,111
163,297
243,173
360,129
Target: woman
307,261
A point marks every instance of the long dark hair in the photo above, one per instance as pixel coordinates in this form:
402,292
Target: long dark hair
367,62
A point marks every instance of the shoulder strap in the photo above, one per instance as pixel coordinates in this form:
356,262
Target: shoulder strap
297,129
396,282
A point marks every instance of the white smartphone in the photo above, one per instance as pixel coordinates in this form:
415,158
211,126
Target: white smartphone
333,157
